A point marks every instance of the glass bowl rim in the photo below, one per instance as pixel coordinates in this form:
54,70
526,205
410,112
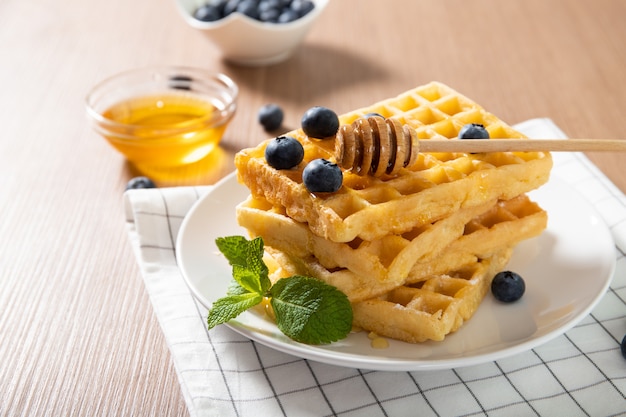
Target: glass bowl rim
104,123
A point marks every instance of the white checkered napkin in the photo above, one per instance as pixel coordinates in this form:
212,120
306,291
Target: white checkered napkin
221,373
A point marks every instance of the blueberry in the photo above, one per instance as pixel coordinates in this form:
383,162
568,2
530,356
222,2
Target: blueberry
320,122
287,16
249,8
273,11
265,5
623,347
284,152
473,131
207,13
508,286
270,116
219,4
140,182
231,6
322,176
269,16
302,7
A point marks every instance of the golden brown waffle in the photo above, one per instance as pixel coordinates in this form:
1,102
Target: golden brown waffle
366,269
433,308
435,187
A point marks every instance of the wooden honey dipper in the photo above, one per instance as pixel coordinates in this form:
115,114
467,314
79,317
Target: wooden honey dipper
378,146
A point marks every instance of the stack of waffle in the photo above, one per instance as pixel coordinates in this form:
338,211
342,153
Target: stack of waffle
415,251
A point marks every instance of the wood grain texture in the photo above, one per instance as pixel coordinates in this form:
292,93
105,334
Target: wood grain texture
523,145
78,334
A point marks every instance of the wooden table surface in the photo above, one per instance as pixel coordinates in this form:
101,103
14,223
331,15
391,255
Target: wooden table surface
78,335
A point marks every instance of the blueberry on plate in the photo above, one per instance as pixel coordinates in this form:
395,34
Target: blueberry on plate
320,122
270,116
473,131
322,176
507,286
140,182
284,152
623,347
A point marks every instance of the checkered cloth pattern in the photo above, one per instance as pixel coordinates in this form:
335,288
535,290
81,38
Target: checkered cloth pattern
581,373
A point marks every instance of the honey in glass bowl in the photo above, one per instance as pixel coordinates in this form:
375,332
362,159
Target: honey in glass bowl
164,117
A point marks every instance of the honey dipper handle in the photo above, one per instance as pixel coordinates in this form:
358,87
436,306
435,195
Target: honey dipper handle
522,145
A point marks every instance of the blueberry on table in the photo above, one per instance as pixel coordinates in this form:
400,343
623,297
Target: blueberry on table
140,182
320,122
284,152
473,131
270,116
623,347
507,286
322,176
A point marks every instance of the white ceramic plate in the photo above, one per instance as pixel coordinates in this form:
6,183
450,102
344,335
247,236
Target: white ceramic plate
567,270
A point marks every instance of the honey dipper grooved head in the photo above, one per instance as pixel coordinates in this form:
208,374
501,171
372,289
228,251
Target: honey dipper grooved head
376,146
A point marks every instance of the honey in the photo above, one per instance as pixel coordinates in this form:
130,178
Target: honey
169,129
377,342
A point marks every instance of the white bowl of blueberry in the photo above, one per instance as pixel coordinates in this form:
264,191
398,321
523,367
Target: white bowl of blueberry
253,32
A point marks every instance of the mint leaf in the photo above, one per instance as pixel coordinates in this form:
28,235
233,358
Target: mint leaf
246,258
231,306
234,288
310,311
254,259
234,249
306,309
247,279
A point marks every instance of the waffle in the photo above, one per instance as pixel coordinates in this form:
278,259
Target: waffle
435,307
436,186
413,239
387,260
364,269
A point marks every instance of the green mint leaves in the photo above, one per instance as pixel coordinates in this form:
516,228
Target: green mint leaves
307,310
310,310
246,258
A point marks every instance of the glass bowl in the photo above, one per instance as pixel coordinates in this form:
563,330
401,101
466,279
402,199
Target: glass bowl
163,116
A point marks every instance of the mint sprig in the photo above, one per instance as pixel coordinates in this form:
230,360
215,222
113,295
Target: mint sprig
311,310
306,309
